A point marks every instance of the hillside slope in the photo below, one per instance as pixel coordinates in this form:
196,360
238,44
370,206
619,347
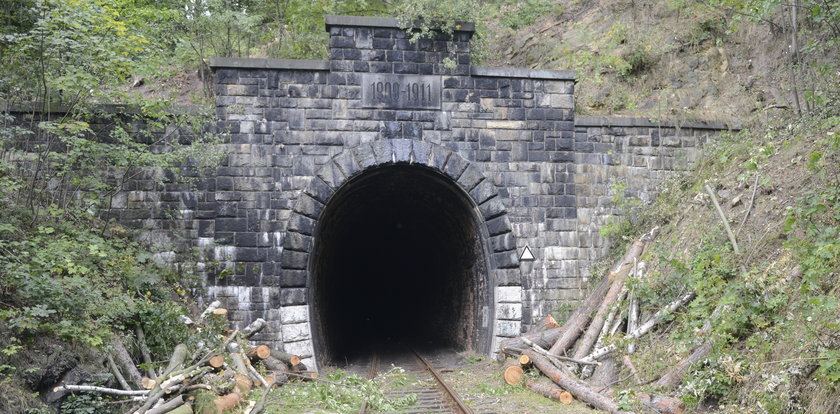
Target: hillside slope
676,59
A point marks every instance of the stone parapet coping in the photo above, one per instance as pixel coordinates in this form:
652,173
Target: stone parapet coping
603,121
262,63
383,22
522,73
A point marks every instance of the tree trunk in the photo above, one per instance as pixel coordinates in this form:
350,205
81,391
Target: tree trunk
644,328
579,389
661,403
253,328
117,374
144,350
514,346
168,406
176,361
551,391
544,324
290,359
125,360
604,376
591,335
580,319
675,375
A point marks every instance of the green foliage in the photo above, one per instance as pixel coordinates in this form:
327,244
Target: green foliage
85,403
344,393
520,13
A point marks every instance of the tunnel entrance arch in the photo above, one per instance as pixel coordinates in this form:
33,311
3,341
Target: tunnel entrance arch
398,258
402,240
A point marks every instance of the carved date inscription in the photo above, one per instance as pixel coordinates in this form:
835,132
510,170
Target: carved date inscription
400,91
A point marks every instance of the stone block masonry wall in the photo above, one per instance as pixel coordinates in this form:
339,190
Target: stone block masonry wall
289,119
627,157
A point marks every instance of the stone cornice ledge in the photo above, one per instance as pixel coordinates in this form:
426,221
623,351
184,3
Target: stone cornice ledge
523,73
382,22
604,121
254,63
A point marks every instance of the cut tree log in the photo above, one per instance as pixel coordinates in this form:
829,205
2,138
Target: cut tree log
633,311
253,328
544,324
148,383
514,346
581,317
144,350
184,409
210,308
274,364
579,389
661,404
116,371
550,390
216,361
675,375
123,357
644,328
576,323
176,361
168,406
234,398
588,339
605,376
261,352
238,363
524,360
513,372
291,360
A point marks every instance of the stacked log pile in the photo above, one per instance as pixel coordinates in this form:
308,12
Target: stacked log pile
230,372
576,356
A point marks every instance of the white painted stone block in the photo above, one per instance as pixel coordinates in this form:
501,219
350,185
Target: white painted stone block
294,314
296,332
301,348
508,329
509,294
510,311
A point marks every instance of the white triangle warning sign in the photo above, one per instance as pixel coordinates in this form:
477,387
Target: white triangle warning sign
526,255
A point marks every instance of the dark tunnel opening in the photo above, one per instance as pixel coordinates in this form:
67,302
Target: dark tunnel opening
398,259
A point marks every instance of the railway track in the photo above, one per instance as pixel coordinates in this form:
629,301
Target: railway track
435,396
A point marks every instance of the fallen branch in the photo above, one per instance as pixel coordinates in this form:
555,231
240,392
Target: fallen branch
644,328
749,208
167,406
551,391
123,357
723,219
675,375
253,328
102,390
144,350
580,319
176,361
210,308
547,354
116,371
577,388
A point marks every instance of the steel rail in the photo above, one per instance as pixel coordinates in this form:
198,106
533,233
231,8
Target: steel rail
448,391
